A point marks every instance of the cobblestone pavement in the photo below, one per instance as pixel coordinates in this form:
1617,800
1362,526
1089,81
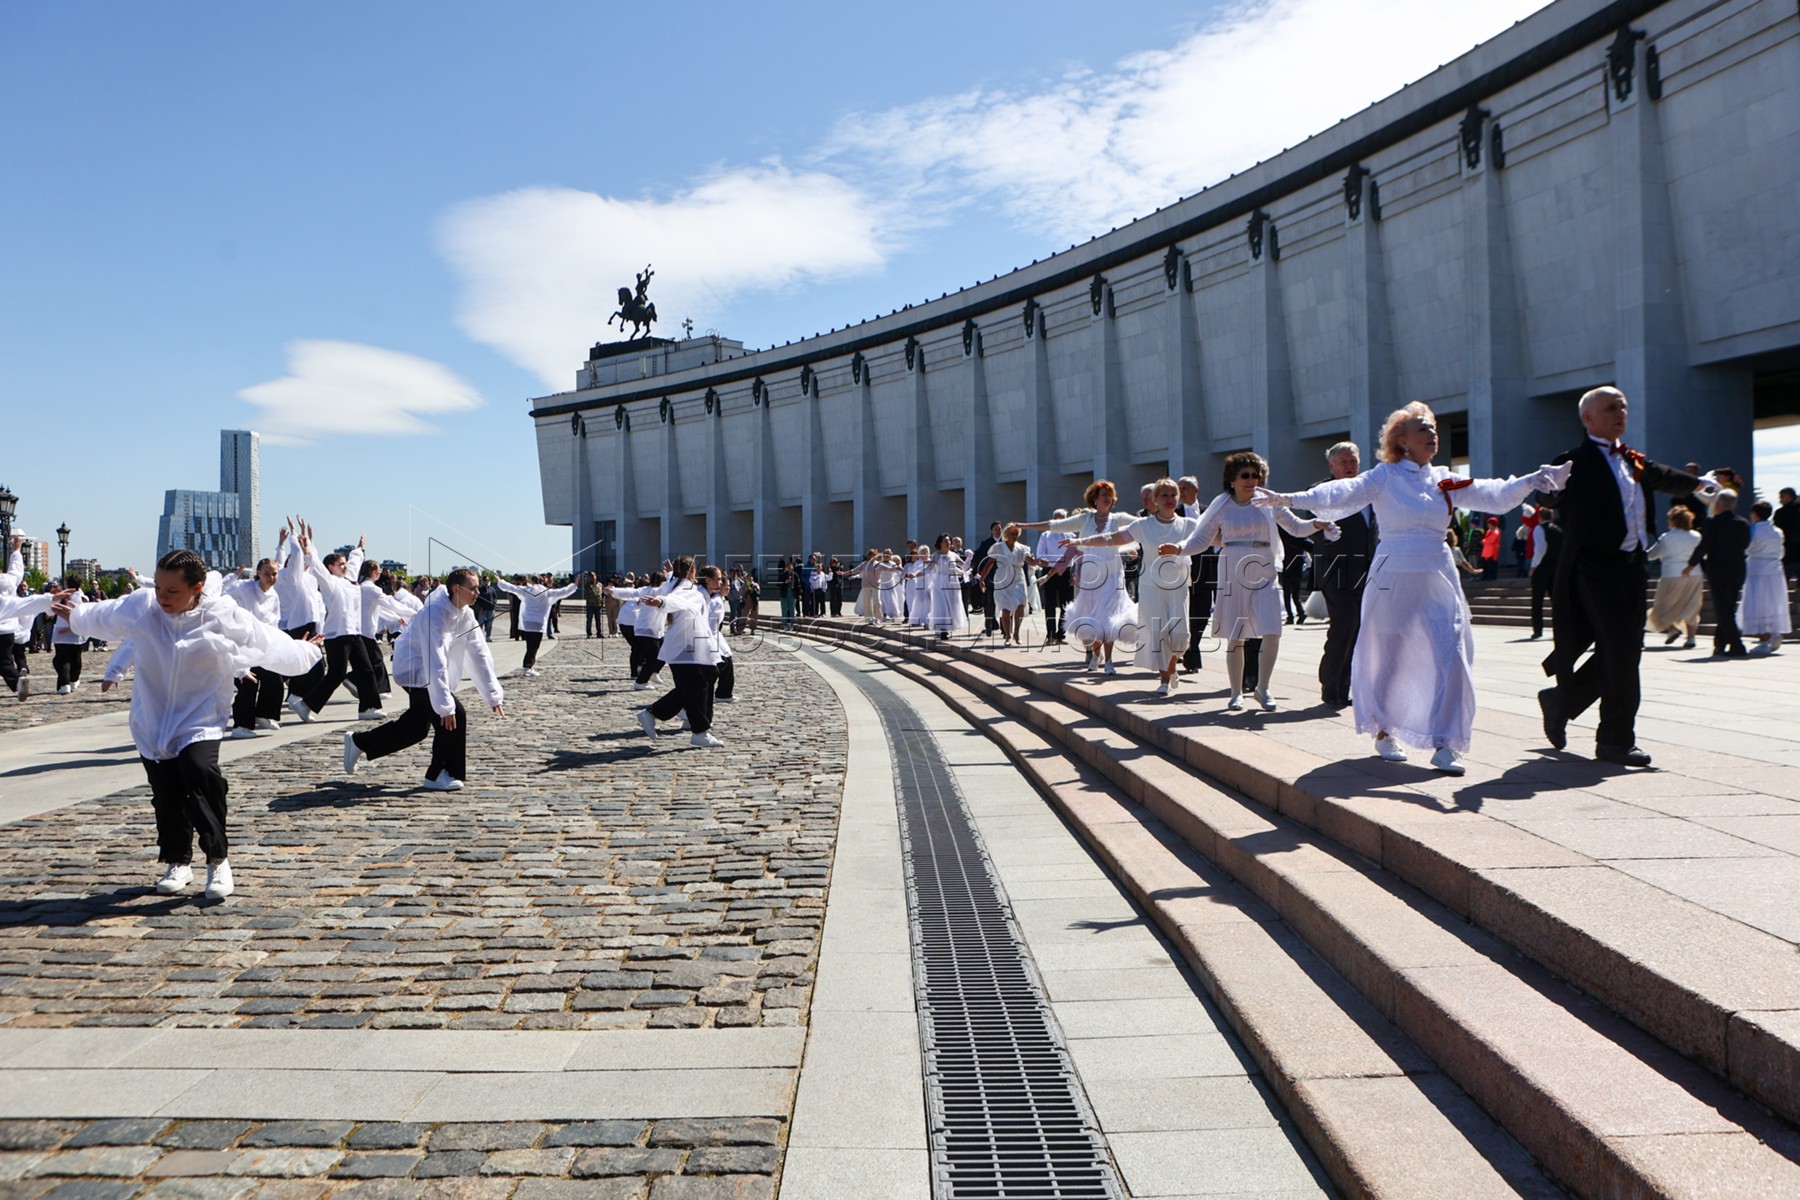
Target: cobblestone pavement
582,879
46,707
159,1159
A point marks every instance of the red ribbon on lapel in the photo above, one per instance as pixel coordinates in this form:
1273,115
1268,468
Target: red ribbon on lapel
1452,484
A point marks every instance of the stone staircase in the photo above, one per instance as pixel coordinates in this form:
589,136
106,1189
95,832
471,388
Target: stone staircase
1447,1005
1508,602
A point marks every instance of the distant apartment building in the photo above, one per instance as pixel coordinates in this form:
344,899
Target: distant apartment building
221,527
87,568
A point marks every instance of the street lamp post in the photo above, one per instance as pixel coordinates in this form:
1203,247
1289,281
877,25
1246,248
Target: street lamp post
9,504
62,544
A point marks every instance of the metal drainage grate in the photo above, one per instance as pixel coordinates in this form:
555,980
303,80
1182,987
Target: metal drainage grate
1007,1117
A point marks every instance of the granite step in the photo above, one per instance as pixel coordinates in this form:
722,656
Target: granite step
1389,902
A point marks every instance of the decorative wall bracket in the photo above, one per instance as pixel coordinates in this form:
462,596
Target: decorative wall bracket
913,358
859,367
621,419
1172,264
1621,61
759,391
1031,317
808,385
970,335
712,401
1353,190
665,410
1097,295
577,426
1262,232
1469,134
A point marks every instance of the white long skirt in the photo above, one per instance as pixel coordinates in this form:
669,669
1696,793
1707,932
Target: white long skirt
1102,611
1414,671
868,598
893,597
1162,615
918,600
1763,608
1248,603
1678,600
947,612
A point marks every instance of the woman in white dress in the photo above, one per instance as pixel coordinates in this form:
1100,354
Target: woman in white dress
1763,609
1162,606
945,577
1413,679
892,588
1102,612
1248,602
1012,561
867,573
918,588
1678,597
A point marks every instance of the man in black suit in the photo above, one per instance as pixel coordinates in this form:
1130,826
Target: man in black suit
1723,556
1600,595
1340,569
981,585
1203,572
1543,569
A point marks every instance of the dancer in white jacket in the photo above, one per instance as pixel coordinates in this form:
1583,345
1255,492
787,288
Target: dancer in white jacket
438,648
690,647
536,599
16,614
344,650
188,651
302,608
258,703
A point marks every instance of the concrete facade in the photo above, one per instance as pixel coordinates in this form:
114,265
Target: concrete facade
1604,193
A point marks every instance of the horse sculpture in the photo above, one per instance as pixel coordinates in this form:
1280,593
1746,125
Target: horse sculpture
635,309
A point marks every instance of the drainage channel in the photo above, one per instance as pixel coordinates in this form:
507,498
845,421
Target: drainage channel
1008,1119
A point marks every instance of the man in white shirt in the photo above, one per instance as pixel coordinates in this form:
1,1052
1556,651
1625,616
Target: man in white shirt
437,647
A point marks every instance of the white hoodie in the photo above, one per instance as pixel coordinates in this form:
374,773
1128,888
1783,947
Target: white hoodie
343,599
185,664
440,645
535,602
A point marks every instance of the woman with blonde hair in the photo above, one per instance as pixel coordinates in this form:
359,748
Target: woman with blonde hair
1676,609
1248,604
1162,608
1412,680
1102,610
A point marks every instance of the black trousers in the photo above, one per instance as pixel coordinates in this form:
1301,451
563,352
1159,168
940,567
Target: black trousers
692,692
633,661
1727,590
835,593
1057,591
377,665
1344,605
649,666
1612,595
532,642
1541,581
1200,605
724,690
9,665
259,694
300,685
346,656
1252,664
449,747
596,620
188,794
68,662
815,602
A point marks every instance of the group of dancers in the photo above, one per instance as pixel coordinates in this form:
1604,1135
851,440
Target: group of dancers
1400,651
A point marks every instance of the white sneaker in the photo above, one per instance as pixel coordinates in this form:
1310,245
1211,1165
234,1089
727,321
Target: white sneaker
1389,749
443,782
1235,704
63,690
352,754
1162,689
244,732
724,699
705,741
75,687
218,880
531,672
374,714
299,709
1109,669
646,722
1174,682
177,877
1444,759
640,687
1263,698
24,687
267,723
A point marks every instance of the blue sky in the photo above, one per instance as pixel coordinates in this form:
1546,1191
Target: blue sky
372,231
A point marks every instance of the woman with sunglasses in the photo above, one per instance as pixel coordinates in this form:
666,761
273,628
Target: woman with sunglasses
1249,594
1412,680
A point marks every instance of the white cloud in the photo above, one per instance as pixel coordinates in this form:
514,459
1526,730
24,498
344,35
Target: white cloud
1100,149
1065,160
345,387
541,266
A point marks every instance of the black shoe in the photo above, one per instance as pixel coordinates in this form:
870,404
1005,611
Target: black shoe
1556,726
1625,756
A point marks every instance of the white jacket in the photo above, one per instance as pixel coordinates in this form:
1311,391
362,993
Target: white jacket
15,571
438,647
186,664
688,637
342,596
378,606
248,595
301,603
535,602
717,604
648,620
61,634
